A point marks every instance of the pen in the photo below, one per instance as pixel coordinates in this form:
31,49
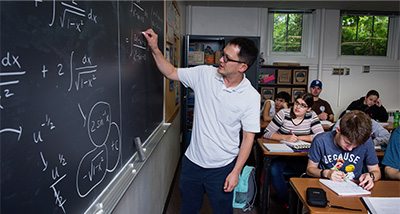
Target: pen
339,171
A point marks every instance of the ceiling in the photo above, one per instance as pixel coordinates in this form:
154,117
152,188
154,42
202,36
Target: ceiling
393,6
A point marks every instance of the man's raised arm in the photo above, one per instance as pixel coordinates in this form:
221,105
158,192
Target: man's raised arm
166,68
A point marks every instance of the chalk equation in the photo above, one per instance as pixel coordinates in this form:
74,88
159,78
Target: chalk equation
82,75
137,45
73,16
136,41
106,155
37,136
156,20
56,168
9,78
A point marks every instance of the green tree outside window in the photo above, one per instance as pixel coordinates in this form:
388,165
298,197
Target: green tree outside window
364,35
287,32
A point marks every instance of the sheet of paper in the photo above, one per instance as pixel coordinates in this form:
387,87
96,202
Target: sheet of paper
344,187
326,122
382,205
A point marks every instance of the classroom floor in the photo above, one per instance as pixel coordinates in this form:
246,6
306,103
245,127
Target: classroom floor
174,201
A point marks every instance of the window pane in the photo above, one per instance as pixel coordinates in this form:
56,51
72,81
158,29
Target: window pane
380,37
287,32
364,35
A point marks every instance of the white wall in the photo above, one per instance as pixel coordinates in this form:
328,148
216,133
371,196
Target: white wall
339,91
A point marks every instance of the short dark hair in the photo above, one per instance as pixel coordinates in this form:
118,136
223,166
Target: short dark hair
308,99
356,126
284,95
373,92
248,50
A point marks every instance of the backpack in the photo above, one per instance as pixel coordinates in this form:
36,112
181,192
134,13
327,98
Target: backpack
245,192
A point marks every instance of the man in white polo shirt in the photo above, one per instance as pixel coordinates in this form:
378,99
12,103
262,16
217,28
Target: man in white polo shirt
225,103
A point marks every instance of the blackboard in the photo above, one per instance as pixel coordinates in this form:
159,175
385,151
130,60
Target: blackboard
78,84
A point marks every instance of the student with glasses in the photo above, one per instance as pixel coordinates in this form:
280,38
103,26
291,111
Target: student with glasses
294,124
226,103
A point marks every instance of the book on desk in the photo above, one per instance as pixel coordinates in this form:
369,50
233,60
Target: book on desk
277,147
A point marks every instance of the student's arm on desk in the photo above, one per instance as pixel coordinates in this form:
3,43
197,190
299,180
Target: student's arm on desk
314,171
365,179
307,138
166,68
392,173
232,179
265,113
331,117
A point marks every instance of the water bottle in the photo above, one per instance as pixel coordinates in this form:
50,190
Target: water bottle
396,119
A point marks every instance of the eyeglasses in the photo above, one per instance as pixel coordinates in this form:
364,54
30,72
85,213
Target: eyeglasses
226,59
300,104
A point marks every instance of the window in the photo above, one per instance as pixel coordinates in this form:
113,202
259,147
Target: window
287,32
290,32
364,35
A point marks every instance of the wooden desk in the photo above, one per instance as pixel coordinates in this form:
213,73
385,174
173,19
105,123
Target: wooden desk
389,127
264,124
326,127
381,189
267,157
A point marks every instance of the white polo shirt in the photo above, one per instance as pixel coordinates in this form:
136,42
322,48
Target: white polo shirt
219,115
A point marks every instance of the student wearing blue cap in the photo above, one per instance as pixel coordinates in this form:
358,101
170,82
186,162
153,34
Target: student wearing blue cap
320,106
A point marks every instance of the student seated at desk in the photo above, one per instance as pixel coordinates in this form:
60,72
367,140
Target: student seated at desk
380,136
297,123
321,107
270,107
371,105
391,160
341,154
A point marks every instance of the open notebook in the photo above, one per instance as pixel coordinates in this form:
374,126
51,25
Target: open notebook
344,187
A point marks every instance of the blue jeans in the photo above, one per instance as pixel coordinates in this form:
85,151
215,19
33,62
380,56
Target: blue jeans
194,181
281,166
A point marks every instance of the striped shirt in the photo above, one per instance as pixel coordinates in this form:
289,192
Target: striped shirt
283,124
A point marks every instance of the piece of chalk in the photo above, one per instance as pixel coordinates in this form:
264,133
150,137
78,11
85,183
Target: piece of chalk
144,33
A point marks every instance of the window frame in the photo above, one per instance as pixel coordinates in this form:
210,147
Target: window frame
306,35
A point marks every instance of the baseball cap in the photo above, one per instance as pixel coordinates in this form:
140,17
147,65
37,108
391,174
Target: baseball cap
316,83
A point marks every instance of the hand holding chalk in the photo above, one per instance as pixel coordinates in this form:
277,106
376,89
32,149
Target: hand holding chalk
144,33
151,38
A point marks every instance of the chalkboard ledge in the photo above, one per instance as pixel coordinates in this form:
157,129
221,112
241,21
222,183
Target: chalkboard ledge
112,194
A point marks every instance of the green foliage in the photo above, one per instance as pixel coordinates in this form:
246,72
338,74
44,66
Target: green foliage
287,32
364,35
